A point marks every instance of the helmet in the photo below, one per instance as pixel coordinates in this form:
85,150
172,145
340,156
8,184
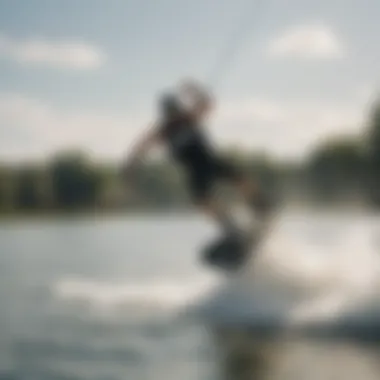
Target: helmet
170,105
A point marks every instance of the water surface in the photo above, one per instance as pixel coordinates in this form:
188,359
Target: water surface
98,298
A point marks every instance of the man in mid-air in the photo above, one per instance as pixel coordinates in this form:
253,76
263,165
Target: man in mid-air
179,127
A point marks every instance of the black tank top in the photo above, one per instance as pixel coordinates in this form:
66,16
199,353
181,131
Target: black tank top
186,142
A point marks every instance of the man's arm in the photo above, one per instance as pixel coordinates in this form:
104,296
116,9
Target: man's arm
151,137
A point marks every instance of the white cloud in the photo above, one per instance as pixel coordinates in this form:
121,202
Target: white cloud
33,128
287,128
313,41
72,55
368,93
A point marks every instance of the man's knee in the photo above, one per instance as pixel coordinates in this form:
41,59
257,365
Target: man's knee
246,185
204,203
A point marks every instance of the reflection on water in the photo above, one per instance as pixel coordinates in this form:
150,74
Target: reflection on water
243,356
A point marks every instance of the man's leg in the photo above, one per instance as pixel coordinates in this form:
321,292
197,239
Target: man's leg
249,189
201,187
254,196
219,214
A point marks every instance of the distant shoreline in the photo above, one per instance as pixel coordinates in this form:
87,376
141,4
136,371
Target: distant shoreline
86,213
97,213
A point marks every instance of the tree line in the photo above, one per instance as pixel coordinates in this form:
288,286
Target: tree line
344,168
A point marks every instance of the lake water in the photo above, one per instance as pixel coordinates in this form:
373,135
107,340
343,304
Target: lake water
101,298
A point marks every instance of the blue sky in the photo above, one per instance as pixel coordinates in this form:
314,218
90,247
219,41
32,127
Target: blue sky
86,73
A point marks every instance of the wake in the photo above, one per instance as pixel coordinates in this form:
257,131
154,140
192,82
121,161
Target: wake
113,297
303,277
304,281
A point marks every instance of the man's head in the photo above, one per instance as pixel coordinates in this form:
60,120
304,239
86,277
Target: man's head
170,107
188,100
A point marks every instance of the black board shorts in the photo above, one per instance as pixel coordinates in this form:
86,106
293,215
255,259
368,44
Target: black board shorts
203,177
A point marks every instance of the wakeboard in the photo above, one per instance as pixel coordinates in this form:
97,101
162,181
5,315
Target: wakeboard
229,253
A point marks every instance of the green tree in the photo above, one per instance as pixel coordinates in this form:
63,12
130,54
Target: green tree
75,182
6,187
157,184
372,145
336,168
27,189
